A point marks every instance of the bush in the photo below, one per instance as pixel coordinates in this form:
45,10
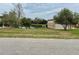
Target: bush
26,22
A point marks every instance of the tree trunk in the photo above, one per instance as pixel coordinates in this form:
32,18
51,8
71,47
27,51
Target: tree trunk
70,26
3,25
65,27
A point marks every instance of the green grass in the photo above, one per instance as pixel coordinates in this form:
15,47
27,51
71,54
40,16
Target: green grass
39,33
75,32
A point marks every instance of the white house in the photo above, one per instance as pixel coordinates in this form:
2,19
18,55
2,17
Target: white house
51,24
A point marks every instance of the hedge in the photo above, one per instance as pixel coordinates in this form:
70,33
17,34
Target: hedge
39,25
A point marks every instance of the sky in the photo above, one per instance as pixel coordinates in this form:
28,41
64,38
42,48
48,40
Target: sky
40,10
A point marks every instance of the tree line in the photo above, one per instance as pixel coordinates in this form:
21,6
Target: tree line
11,20
14,18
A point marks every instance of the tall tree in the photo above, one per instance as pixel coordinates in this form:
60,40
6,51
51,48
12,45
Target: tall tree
19,11
64,17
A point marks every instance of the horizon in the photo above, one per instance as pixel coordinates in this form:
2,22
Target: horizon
40,10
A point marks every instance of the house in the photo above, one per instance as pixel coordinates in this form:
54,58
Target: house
52,25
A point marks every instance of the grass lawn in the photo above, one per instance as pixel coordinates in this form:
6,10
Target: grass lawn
39,33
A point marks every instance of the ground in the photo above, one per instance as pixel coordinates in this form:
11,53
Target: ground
40,33
31,46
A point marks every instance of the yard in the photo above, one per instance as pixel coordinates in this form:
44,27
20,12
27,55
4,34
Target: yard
39,33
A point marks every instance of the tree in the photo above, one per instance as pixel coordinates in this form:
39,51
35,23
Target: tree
12,19
76,18
39,21
26,22
1,20
9,19
44,21
64,17
4,19
19,11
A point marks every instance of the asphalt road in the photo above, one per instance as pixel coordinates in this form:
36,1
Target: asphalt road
29,46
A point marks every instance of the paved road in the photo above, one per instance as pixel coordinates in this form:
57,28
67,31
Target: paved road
29,46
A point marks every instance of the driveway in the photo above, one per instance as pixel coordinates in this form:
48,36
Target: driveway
31,46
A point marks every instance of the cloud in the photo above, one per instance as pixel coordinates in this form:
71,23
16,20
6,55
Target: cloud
42,10
48,10
5,7
46,14
34,8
